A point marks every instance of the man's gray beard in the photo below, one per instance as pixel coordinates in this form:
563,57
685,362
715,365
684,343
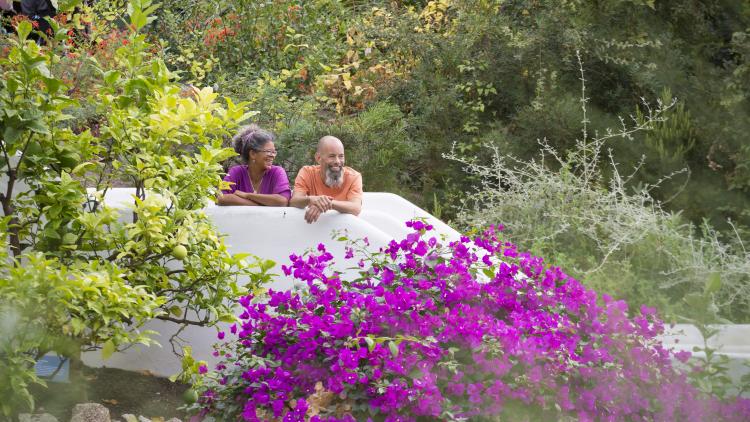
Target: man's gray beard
334,179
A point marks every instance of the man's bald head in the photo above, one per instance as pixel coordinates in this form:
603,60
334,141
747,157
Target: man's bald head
329,142
330,157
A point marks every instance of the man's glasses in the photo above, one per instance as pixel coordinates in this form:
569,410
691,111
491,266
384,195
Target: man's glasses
268,151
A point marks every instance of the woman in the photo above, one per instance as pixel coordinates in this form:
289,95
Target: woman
258,182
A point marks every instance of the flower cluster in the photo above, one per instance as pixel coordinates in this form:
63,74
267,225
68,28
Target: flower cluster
475,329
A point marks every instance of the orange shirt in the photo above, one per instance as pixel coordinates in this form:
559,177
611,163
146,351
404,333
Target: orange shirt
310,182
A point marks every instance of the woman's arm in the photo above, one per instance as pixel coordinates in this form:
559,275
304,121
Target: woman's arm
236,198
270,200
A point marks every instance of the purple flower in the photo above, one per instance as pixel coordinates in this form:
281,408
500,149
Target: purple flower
683,356
417,335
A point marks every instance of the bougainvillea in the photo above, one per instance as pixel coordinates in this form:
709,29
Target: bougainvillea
421,331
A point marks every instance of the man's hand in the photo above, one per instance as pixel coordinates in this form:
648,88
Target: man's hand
322,202
312,214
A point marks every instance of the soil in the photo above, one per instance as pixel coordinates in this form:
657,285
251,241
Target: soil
120,391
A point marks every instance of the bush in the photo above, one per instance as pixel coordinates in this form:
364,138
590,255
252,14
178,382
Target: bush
589,218
474,330
75,273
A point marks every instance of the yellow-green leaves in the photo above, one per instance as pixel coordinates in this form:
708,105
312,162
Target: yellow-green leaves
98,272
107,349
140,11
23,30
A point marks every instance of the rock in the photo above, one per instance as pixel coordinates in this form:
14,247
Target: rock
174,420
90,412
143,419
42,417
129,418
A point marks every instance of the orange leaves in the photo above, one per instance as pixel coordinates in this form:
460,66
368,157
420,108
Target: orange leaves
215,36
218,30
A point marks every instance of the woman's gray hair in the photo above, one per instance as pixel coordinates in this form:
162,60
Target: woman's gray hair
251,138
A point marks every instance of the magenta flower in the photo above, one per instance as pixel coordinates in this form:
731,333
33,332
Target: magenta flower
468,329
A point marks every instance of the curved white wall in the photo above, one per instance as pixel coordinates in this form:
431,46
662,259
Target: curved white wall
270,233
274,233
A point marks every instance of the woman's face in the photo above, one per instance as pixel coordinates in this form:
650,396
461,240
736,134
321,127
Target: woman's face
264,156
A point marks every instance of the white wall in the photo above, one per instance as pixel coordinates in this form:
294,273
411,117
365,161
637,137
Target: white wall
274,233
270,233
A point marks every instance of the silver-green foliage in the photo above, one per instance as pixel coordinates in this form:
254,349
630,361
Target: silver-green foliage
613,236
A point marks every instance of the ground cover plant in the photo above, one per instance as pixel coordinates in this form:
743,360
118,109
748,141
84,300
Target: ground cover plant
473,330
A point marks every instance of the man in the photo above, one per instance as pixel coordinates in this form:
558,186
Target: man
329,185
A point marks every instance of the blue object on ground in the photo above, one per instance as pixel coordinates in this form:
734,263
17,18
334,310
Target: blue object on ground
47,365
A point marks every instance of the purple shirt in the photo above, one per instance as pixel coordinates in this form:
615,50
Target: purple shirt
274,181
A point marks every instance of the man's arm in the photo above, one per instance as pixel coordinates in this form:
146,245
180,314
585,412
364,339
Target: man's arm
353,202
302,200
350,206
353,206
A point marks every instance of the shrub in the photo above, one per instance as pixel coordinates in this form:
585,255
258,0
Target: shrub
474,330
75,273
588,217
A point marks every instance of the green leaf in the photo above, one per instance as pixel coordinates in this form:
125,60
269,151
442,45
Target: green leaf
138,19
714,283
108,349
24,29
227,318
370,343
81,168
41,66
53,85
39,126
11,134
111,77
267,264
393,348
67,5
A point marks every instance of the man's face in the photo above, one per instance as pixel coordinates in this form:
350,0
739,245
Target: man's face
331,160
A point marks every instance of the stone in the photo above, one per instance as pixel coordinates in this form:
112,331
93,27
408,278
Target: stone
90,412
42,417
174,420
143,419
129,418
